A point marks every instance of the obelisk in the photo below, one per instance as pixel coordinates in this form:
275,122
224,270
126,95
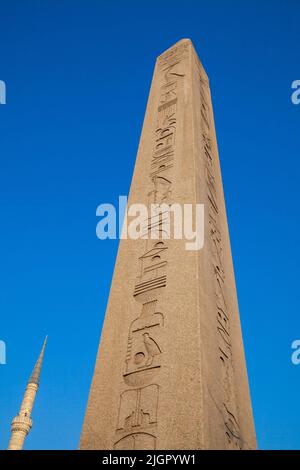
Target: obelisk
170,371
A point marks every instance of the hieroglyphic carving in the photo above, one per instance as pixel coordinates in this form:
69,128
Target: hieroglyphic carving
139,406
137,440
161,191
143,347
153,262
174,55
168,95
229,409
164,146
232,429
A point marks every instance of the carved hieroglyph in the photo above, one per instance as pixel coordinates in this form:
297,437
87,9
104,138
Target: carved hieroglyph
170,371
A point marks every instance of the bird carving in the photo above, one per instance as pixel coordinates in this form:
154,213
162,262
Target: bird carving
151,347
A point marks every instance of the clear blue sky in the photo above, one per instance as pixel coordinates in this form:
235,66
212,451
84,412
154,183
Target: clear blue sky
78,76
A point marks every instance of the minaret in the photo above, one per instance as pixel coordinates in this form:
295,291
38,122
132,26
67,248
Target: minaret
22,423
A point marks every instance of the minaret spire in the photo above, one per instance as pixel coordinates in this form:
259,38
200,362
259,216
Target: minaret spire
36,373
22,423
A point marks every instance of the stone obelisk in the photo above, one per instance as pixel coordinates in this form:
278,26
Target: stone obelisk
170,371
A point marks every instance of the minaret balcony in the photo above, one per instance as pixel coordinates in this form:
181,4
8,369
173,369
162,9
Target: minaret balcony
21,423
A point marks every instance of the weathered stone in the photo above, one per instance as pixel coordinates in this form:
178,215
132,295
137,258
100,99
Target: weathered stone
170,371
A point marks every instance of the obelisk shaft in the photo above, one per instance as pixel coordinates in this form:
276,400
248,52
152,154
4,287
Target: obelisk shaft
170,371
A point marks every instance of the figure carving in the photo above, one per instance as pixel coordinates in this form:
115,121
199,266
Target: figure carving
143,349
152,348
138,407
